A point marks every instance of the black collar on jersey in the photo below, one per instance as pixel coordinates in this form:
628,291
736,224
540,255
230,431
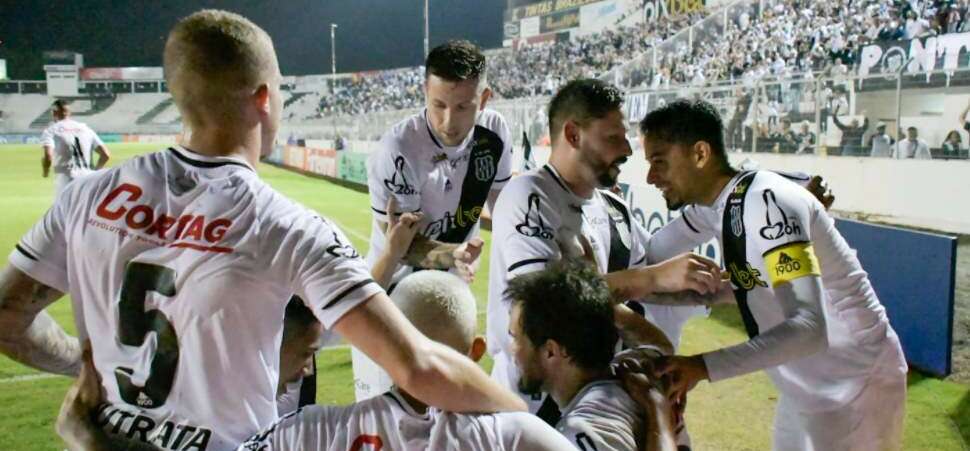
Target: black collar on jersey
205,164
427,124
556,178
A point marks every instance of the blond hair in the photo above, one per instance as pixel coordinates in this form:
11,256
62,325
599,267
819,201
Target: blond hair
440,305
213,60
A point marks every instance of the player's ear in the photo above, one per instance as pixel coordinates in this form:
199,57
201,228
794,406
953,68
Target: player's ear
261,99
478,348
570,131
701,154
486,94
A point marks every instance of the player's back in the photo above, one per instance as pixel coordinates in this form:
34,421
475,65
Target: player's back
389,422
179,267
602,416
72,143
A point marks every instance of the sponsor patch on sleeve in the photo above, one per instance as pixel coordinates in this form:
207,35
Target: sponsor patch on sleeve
791,261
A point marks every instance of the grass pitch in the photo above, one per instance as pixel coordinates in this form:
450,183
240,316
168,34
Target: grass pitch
732,415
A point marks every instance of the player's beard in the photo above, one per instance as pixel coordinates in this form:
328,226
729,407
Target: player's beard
607,176
529,386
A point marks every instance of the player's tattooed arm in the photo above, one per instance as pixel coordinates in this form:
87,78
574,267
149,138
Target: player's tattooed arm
724,295
635,330
27,333
431,254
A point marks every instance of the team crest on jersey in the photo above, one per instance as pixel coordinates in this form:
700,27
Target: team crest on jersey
777,224
737,225
484,167
398,183
533,225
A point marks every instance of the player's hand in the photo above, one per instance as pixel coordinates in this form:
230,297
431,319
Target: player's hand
820,189
76,422
687,271
466,258
401,230
637,377
681,374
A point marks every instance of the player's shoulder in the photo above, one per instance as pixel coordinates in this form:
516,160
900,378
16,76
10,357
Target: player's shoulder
533,180
493,120
783,187
602,399
406,136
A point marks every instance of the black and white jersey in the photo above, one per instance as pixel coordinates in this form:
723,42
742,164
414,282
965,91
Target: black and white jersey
72,144
388,422
773,231
179,267
448,184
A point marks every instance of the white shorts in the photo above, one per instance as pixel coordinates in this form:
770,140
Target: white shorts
873,421
370,379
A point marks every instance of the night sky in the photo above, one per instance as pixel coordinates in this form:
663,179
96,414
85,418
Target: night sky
372,34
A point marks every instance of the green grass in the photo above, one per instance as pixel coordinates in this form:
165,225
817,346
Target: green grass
732,415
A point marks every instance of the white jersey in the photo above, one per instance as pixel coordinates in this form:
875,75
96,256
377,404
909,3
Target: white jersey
388,422
448,184
785,233
179,268
534,214
73,143
603,417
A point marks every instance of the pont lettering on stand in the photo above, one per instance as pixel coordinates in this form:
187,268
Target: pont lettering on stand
186,230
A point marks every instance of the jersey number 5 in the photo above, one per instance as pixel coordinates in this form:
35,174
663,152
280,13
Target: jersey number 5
134,325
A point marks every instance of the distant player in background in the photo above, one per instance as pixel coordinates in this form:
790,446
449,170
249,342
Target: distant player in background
68,145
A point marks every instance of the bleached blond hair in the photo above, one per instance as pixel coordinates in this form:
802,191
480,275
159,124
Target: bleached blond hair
440,305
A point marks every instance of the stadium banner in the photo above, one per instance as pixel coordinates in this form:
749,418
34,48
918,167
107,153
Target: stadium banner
560,21
529,27
111,137
321,161
122,73
915,280
598,16
949,51
543,8
19,138
294,157
352,167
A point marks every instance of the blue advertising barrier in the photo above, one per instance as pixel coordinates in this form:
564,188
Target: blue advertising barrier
913,274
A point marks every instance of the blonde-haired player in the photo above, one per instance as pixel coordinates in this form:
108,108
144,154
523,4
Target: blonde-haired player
442,307
180,264
67,147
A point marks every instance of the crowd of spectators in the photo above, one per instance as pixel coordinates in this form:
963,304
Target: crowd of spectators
805,36
790,39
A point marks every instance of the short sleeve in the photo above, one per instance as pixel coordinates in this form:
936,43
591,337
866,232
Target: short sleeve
504,173
47,138
780,231
391,174
529,228
42,252
95,139
323,268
